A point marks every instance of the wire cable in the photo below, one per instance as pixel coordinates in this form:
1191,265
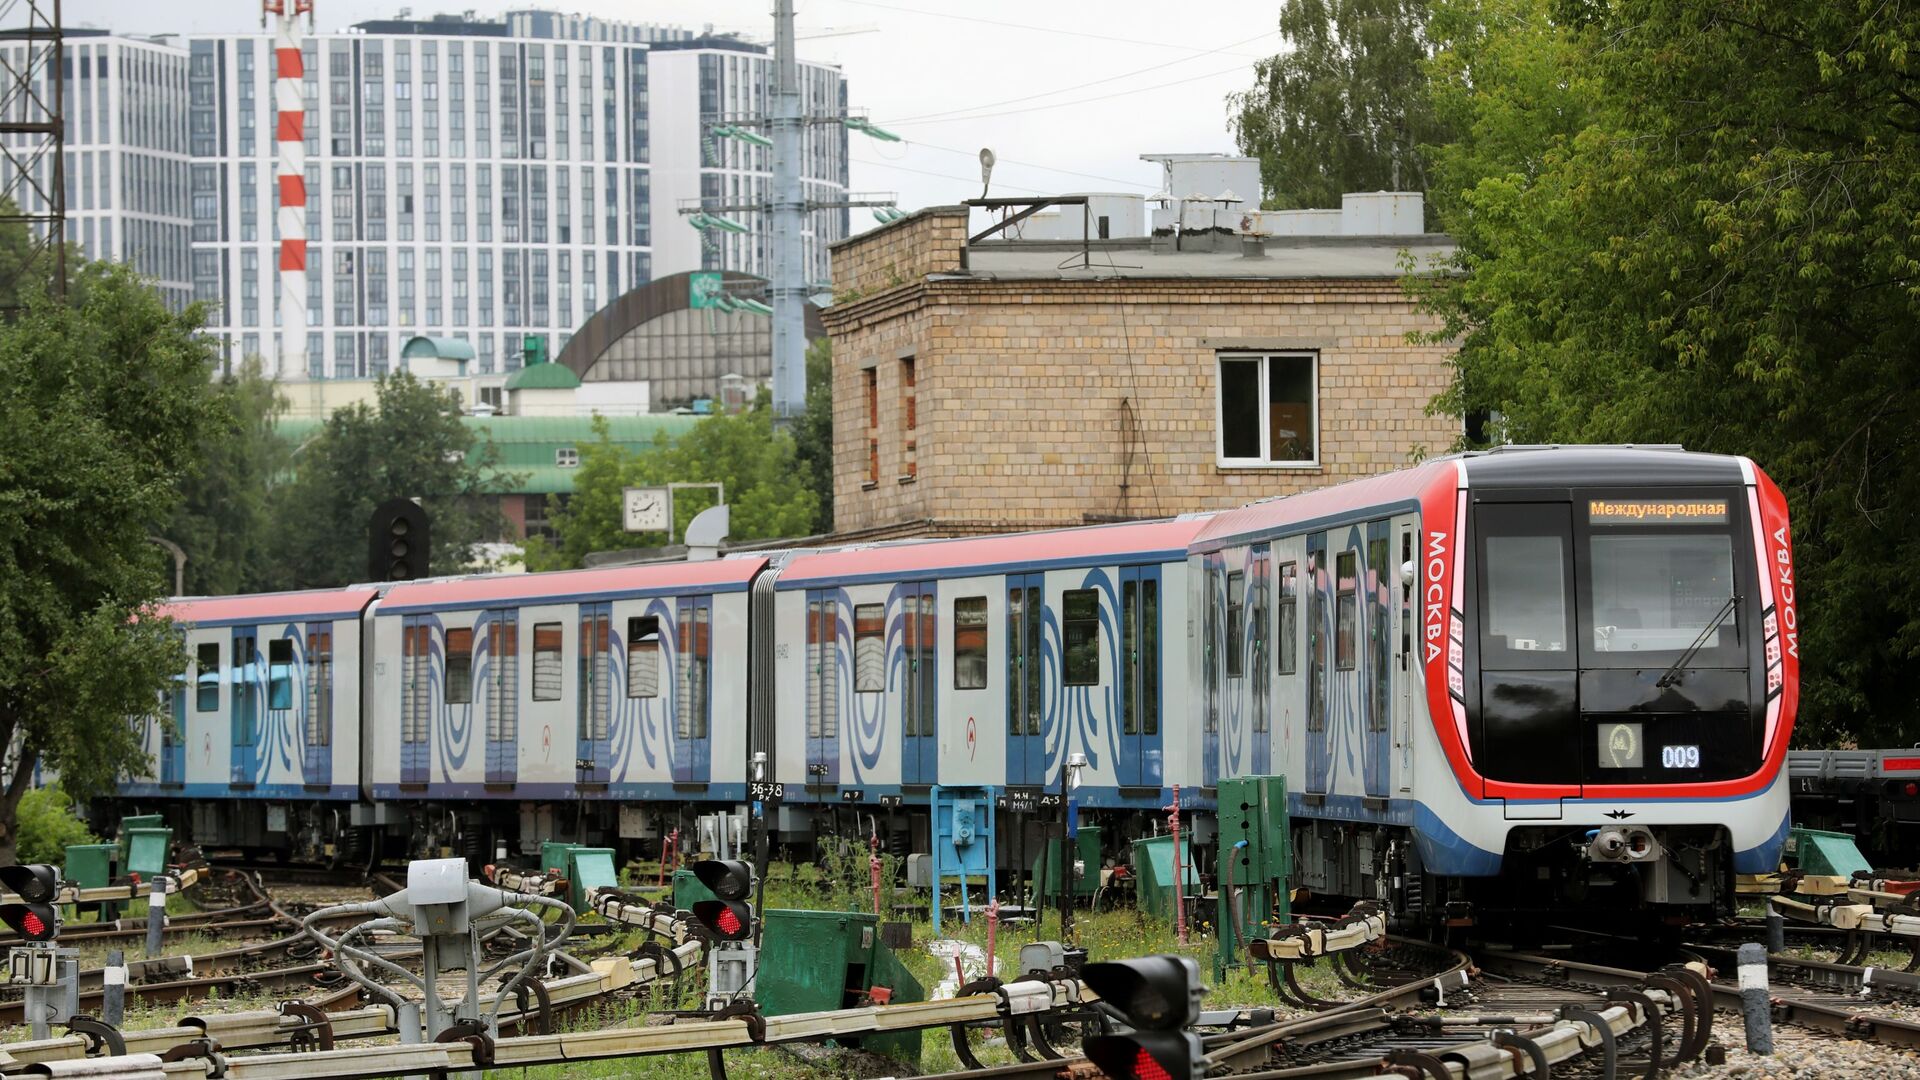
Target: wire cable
1037,29
1069,104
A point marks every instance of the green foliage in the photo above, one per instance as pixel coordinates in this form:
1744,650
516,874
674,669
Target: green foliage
410,443
103,407
1686,221
46,824
813,433
225,521
1344,106
769,487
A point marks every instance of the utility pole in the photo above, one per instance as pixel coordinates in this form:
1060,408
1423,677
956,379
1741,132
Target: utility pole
789,220
787,208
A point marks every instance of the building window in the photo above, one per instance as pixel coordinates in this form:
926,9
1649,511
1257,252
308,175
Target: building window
1236,630
873,425
566,457
1081,633
869,648
1346,611
643,657
1268,411
547,667
970,643
207,685
1288,617
909,421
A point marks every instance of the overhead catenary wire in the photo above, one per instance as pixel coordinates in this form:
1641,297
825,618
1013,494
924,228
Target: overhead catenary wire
1079,101
1036,29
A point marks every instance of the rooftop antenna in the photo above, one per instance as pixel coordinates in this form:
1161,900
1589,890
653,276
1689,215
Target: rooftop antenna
986,171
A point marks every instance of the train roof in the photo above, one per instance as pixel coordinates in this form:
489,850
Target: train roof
1133,542
256,608
571,586
1504,467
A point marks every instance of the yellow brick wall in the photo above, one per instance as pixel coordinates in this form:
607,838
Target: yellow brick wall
1021,384
926,242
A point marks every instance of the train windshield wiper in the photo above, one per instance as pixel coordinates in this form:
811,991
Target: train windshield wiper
1673,673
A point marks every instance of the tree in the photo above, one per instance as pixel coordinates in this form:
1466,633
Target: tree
103,408
225,521
1343,107
1689,221
410,443
813,433
770,489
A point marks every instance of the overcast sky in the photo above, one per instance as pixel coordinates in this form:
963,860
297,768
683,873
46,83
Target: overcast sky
1067,93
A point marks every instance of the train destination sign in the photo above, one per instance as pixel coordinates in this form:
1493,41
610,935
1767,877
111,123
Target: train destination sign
1657,511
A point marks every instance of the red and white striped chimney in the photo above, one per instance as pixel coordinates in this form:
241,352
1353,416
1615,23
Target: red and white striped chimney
290,133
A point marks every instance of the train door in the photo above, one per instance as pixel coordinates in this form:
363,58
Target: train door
1211,656
316,742
919,744
1259,656
1141,763
1286,650
595,702
1529,719
1319,631
1377,601
416,698
692,713
1408,668
244,719
1026,753
499,673
173,737
823,688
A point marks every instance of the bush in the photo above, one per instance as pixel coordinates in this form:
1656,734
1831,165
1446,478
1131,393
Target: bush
45,824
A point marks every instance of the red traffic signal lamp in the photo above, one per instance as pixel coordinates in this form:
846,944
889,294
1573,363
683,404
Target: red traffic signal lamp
37,885
729,917
398,541
1160,997
33,922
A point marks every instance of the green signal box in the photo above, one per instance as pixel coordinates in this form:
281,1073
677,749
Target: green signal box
1049,865
1153,874
1256,857
589,868
147,851
689,890
821,961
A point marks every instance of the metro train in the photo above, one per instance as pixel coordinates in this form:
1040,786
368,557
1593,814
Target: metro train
1533,676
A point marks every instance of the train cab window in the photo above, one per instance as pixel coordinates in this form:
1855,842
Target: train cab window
1660,592
1080,627
548,671
280,673
459,667
1236,623
207,678
1525,585
970,643
1287,617
643,657
1346,609
869,648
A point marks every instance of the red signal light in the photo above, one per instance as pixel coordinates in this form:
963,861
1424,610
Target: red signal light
32,924
1146,1068
728,922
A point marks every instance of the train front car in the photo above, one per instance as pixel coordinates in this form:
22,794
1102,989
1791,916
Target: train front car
1610,648
1522,680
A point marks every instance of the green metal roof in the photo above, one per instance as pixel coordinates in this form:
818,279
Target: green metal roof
444,348
544,377
527,444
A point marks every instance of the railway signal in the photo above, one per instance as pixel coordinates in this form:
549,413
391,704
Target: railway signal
1160,997
34,918
730,916
398,541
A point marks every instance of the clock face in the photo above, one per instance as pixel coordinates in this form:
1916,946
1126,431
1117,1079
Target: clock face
646,510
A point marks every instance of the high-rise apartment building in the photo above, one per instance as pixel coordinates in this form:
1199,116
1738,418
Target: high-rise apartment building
125,159
466,178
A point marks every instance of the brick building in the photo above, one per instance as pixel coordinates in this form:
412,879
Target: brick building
1024,384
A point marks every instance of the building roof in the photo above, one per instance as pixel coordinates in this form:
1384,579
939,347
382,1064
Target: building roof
436,348
1131,542
1287,257
544,377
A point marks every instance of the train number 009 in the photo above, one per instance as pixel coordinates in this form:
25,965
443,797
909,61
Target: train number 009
1680,757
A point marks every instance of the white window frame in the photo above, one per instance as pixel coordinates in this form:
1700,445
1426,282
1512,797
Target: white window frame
1220,457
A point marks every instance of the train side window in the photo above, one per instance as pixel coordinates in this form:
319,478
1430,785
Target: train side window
970,643
1378,617
1346,610
547,666
319,686
1257,622
1316,641
280,673
460,667
1081,631
1149,657
643,657
207,673
1287,617
503,688
869,648
1236,628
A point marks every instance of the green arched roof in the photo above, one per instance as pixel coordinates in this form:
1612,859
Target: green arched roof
441,348
544,377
